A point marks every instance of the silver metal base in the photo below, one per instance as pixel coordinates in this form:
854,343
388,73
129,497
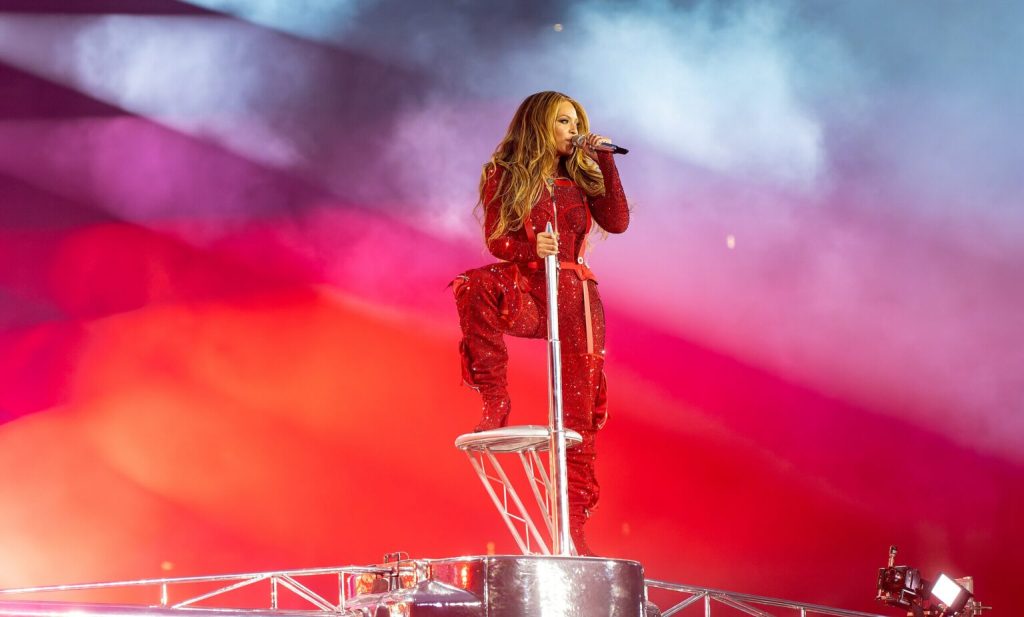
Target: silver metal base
548,586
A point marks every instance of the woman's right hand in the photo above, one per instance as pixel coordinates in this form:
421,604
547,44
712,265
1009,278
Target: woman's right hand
547,244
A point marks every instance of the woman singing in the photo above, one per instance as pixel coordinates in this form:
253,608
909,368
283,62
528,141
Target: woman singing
536,176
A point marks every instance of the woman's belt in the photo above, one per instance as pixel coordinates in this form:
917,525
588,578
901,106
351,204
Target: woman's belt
582,270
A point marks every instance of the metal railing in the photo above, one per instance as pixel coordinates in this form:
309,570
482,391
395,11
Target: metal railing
757,606
287,580
695,598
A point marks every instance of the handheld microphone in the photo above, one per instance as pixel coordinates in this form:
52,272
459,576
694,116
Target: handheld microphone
606,147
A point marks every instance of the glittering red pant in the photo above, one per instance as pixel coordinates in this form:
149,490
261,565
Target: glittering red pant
500,299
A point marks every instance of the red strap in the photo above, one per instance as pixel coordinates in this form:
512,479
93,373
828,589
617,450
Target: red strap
530,234
586,314
590,224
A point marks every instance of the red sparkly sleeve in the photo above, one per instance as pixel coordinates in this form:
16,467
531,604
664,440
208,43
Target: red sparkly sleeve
512,245
610,210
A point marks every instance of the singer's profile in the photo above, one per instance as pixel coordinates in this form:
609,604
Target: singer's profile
547,168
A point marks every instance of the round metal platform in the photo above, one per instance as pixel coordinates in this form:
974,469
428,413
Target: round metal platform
513,439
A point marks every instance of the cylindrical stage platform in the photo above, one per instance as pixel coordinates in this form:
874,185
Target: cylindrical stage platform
548,586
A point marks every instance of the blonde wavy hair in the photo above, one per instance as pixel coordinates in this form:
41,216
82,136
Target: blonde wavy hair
527,153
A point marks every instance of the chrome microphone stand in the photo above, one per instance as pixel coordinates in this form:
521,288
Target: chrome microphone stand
561,543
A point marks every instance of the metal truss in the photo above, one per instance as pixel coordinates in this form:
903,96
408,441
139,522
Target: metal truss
288,581
510,505
758,606
526,443
694,600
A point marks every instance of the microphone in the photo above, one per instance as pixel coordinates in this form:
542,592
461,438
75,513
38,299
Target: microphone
606,147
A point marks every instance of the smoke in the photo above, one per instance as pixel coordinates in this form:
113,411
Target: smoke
705,86
194,74
865,104
261,98
883,103
937,137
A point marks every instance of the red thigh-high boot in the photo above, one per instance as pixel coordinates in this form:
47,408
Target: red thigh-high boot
485,298
584,408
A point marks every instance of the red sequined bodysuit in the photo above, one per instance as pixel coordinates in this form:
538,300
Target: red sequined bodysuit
510,297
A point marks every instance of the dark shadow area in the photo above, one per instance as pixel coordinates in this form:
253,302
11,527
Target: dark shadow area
24,96
131,7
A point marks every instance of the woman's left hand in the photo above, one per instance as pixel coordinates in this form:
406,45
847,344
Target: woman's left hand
590,142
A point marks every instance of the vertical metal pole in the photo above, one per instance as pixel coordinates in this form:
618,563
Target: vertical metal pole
559,475
341,591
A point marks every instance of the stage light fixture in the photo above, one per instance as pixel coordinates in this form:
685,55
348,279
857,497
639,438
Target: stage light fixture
903,587
951,593
900,586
